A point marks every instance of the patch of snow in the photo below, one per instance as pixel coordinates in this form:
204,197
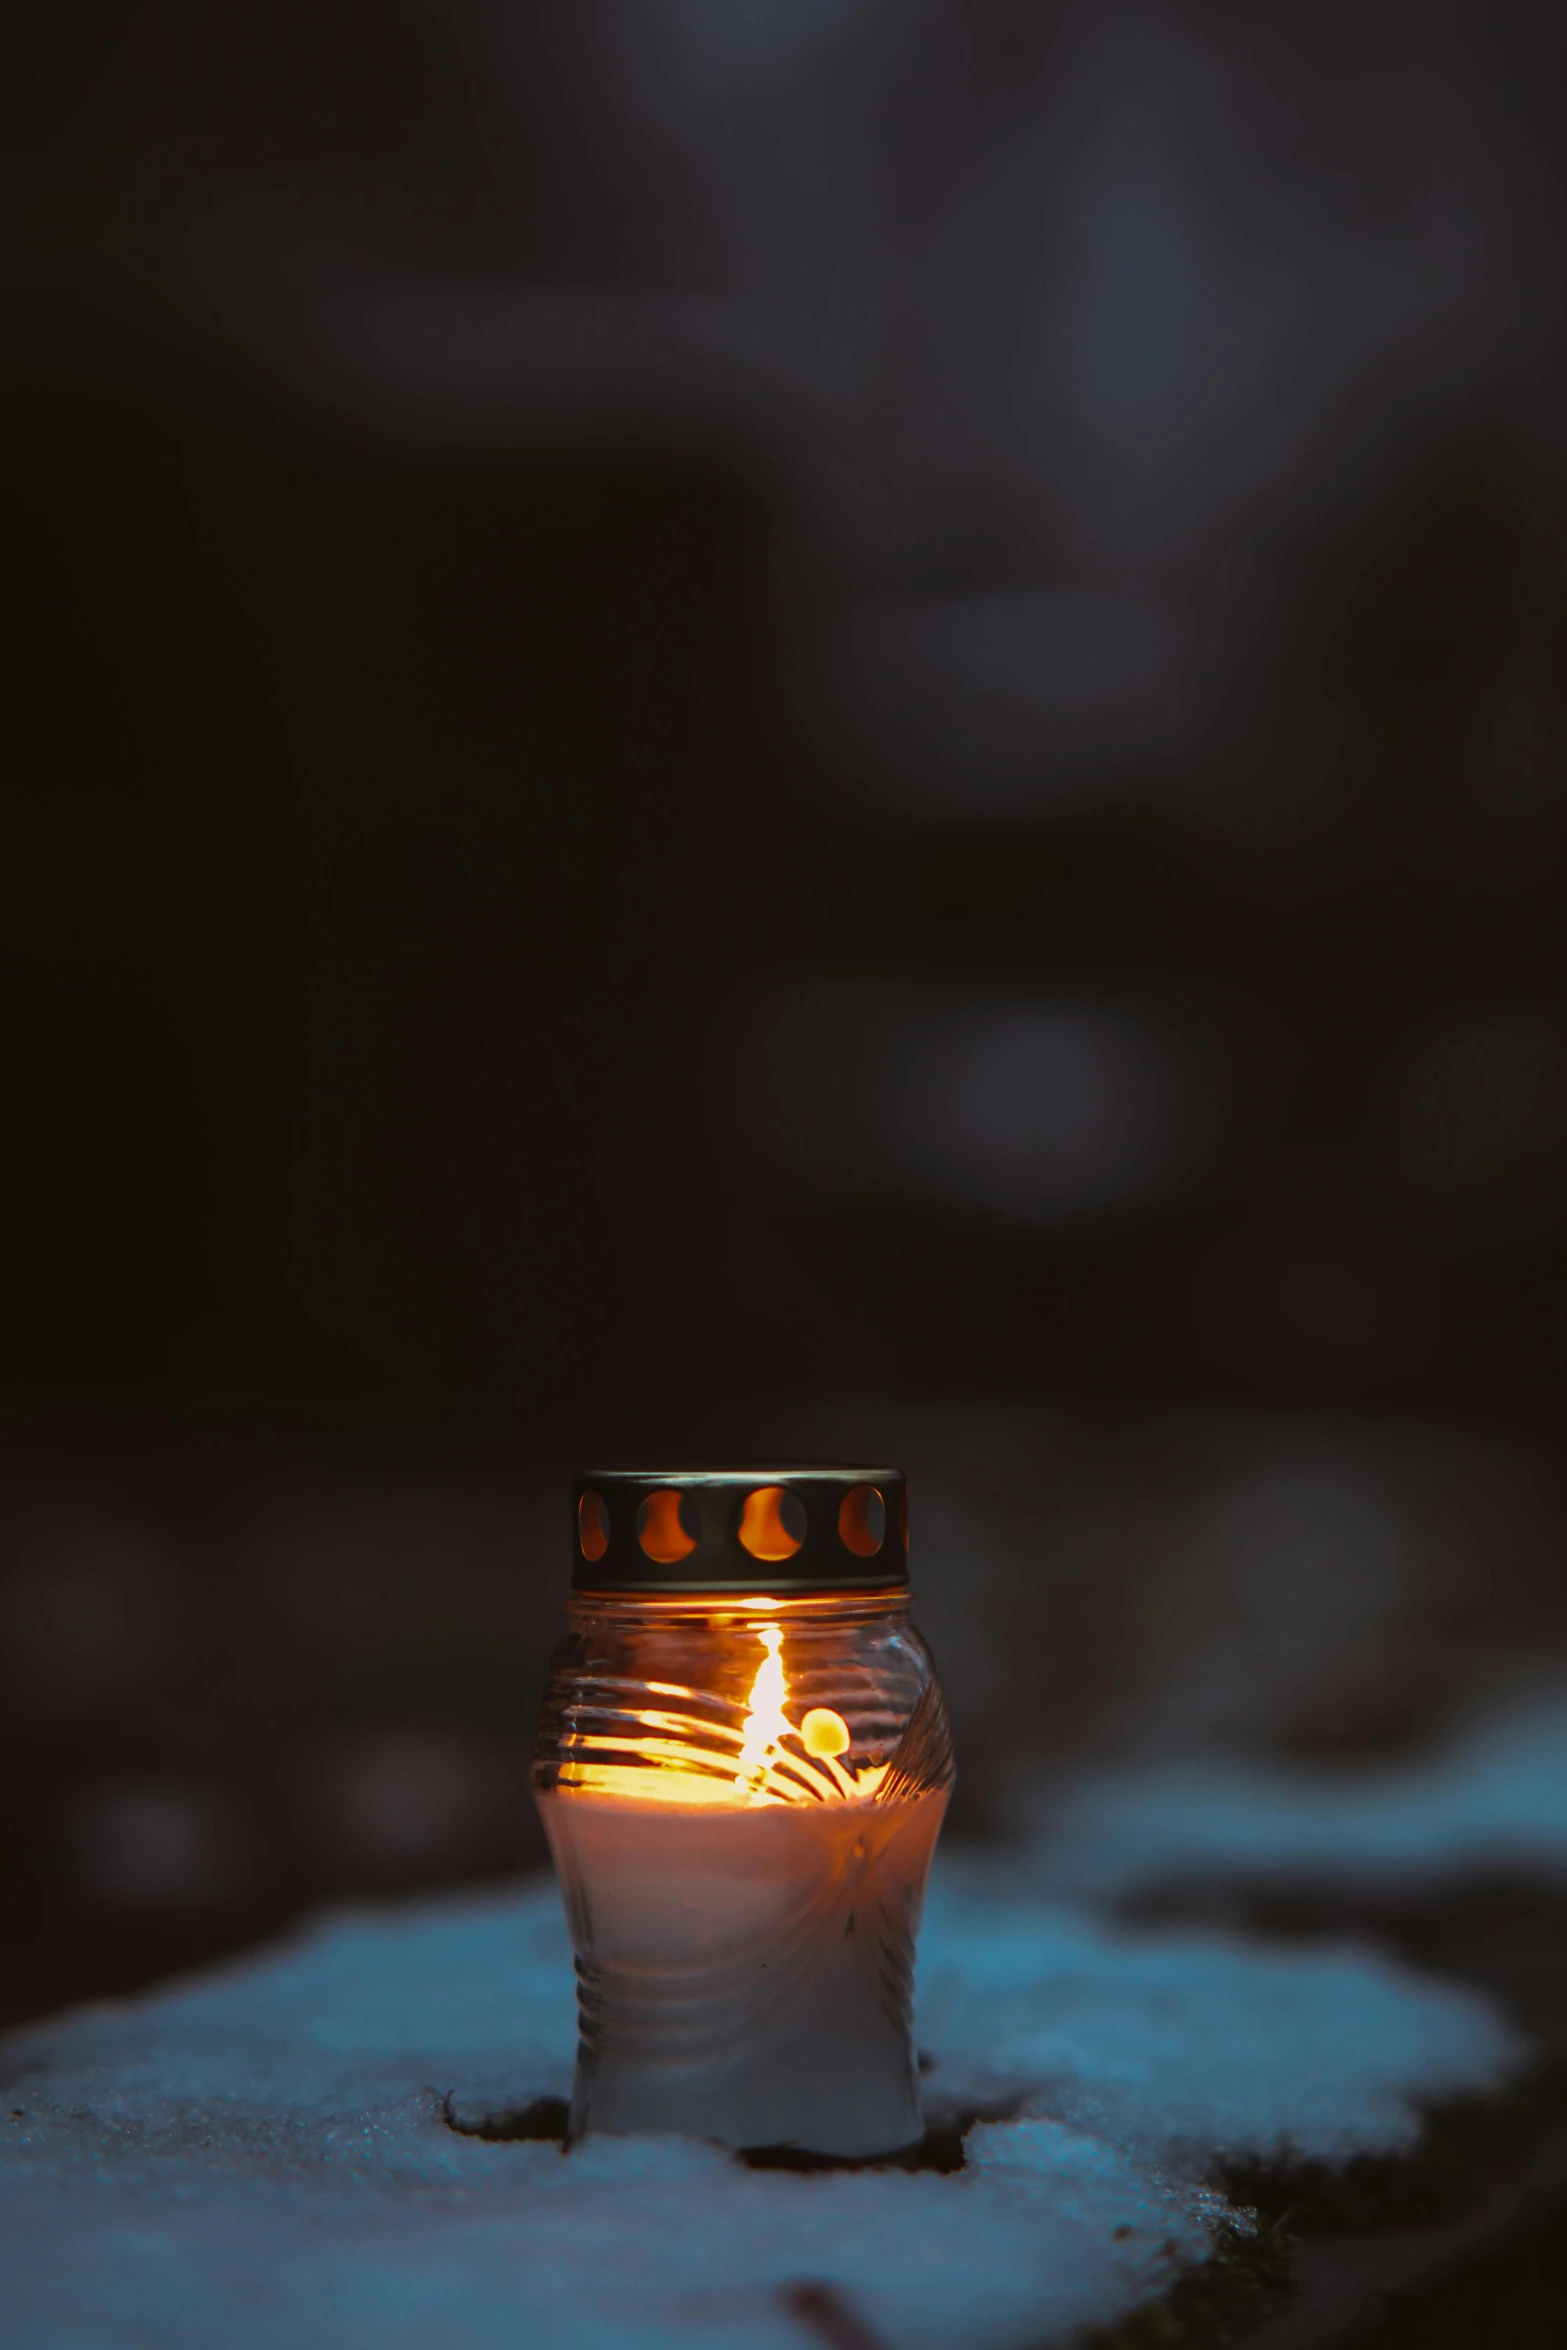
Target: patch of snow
1185,2046
1494,1801
259,2158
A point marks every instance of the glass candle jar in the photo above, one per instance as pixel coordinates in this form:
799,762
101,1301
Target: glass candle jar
742,1775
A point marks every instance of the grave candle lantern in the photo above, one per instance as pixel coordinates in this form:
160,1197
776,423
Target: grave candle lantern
742,1764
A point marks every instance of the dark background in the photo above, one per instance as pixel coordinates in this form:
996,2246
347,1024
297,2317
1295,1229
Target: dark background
766,729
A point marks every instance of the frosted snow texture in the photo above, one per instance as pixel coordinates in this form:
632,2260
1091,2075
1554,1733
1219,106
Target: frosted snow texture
1494,1800
260,2159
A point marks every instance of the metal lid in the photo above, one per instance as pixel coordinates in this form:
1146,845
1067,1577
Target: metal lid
809,1528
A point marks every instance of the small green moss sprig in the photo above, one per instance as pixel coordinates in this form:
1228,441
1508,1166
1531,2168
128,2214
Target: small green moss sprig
1248,2271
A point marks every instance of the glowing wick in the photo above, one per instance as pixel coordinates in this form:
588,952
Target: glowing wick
824,1733
765,1724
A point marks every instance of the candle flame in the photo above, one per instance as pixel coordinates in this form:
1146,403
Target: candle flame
766,1723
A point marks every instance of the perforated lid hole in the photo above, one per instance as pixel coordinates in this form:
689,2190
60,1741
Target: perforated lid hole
772,1523
862,1521
592,1527
667,1526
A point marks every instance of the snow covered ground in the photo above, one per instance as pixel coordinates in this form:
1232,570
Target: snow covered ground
260,2158
1491,1801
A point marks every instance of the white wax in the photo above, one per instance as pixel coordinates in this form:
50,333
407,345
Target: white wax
744,1969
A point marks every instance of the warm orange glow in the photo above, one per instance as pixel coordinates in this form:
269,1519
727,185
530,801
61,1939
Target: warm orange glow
678,1754
659,1530
763,1527
633,1784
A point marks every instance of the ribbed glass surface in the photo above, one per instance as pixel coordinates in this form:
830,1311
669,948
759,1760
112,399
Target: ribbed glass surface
742,1802
669,1687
